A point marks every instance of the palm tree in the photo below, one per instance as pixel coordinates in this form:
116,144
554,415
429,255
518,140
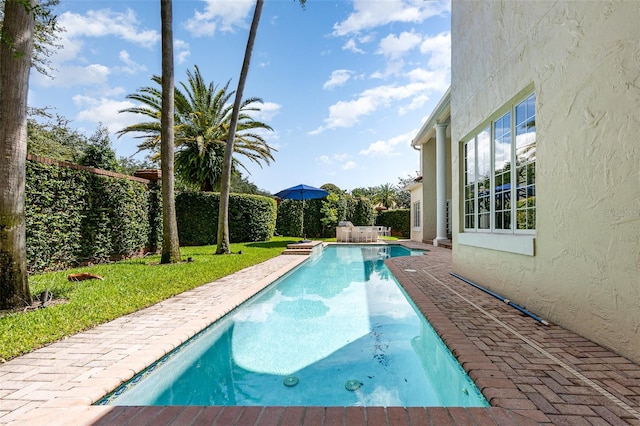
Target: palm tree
224,246
202,122
385,195
16,47
170,242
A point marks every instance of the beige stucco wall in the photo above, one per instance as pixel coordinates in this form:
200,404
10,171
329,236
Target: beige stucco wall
429,186
416,195
428,159
582,58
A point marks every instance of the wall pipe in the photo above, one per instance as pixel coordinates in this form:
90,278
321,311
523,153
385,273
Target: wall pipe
503,299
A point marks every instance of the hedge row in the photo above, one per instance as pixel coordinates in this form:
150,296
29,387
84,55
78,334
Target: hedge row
75,216
321,216
398,220
251,218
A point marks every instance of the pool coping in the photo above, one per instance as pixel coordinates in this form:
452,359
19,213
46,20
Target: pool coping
57,384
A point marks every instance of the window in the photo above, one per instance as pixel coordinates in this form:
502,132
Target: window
416,214
499,197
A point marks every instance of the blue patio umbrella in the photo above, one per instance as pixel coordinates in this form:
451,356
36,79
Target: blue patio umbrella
302,192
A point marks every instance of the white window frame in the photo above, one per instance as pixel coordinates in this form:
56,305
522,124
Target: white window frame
511,240
417,218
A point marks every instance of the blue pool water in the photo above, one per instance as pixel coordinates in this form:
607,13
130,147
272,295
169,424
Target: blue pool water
336,331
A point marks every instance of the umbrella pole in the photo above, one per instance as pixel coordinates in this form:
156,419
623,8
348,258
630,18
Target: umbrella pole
304,236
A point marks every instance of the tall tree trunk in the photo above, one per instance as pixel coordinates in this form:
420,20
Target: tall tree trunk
170,243
224,245
16,47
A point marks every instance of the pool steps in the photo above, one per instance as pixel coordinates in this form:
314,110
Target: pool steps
302,248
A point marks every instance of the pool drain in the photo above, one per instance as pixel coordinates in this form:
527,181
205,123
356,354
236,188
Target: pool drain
290,381
352,384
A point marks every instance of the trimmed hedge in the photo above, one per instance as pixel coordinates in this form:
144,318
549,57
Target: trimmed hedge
321,216
289,220
251,218
399,220
74,216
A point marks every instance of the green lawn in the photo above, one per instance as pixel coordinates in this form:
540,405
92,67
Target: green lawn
127,287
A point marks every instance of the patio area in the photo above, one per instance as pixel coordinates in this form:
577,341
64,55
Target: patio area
530,373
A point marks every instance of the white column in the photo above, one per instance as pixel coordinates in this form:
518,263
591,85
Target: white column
441,183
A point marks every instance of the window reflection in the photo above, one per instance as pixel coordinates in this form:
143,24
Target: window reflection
500,176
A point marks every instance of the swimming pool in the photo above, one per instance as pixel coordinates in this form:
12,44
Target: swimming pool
336,331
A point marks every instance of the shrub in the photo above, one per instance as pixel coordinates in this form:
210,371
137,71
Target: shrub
399,220
289,220
363,212
75,216
251,218
322,216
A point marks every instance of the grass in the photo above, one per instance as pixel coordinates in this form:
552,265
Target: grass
127,287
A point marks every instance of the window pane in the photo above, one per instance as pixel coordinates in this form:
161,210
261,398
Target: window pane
484,221
469,223
470,163
506,219
500,175
526,122
468,207
484,154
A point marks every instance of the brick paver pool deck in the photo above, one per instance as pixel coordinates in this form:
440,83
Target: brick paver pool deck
530,373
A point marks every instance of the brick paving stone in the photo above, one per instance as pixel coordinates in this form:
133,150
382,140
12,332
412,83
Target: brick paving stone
313,416
207,416
460,416
569,420
334,416
542,403
501,417
417,416
292,416
376,416
439,416
355,416
142,416
480,416
397,415
187,416
229,416
167,415
606,415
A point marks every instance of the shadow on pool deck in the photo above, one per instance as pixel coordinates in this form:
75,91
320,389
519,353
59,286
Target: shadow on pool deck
530,373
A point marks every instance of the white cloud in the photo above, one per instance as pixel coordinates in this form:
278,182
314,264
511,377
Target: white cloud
348,113
105,110
104,22
69,76
349,165
351,46
222,16
130,66
268,110
370,14
386,148
439,47
394,47
340,161
338,78
94,24
181,50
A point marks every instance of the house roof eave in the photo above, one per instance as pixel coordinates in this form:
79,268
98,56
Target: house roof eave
440,114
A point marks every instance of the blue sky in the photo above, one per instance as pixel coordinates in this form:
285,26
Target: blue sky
346,85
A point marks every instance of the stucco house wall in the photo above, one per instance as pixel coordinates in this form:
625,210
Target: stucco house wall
582,61
415,191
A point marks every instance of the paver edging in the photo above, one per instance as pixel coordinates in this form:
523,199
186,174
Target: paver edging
493,383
